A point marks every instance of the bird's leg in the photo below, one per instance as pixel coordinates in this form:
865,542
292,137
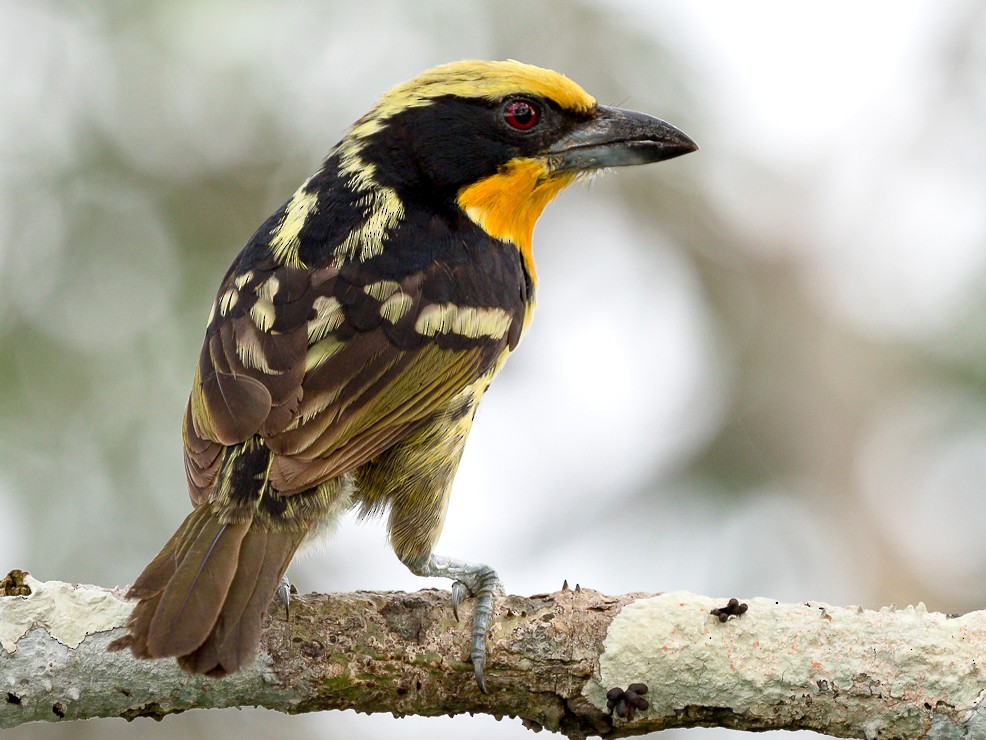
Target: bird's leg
283,596
480,581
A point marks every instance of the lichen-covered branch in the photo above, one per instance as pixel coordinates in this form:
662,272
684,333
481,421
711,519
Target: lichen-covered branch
846,672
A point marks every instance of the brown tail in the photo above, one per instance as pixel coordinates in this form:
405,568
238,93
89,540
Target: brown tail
203,598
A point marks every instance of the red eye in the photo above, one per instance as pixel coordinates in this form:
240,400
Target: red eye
521,115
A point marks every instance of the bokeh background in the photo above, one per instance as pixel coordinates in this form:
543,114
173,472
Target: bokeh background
755,370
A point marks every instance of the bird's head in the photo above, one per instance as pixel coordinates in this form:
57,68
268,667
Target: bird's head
500,140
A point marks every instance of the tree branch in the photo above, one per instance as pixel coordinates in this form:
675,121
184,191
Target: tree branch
846,672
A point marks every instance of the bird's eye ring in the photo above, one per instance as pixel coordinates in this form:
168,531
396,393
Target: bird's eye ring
521,115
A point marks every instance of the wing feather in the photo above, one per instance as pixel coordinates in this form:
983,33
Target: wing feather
384,381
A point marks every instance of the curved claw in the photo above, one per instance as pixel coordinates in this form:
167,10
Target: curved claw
459,593
477,669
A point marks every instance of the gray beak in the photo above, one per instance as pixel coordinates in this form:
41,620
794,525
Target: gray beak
618,138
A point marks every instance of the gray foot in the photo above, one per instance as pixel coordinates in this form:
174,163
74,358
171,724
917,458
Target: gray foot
283,596
479,581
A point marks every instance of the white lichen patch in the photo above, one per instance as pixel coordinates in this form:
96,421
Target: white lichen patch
687,657
68,613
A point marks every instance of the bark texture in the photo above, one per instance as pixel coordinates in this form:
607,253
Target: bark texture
846,672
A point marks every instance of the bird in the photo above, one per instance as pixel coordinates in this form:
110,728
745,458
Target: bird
353,337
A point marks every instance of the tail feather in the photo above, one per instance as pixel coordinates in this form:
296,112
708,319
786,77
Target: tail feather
253,555
213,655
160,570
193,598
204,659
233,642
235,637
190,531
203,598
148,589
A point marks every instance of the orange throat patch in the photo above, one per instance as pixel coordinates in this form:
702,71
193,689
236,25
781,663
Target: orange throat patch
507,205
